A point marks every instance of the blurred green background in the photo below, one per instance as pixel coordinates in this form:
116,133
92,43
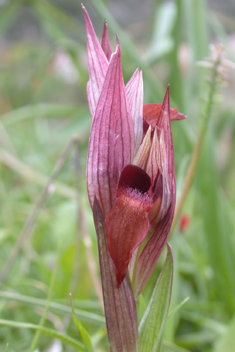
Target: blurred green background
43,75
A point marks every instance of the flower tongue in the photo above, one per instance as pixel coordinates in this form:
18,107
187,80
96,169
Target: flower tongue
152,115
127,223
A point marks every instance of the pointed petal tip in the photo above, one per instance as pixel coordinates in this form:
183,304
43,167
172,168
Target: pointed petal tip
105,28
137,72
117,40
84,10
105,43
182,116
166,101
88,22
117,51
167,94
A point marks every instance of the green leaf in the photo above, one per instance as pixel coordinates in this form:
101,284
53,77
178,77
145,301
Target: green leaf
152,324
84,334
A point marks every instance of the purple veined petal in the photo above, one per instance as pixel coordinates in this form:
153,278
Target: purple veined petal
111,143
119,303
168,147
97,64
166,192
150,254
105,43
135,94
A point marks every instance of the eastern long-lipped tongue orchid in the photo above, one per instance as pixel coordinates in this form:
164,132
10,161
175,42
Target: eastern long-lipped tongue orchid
130,183
130,167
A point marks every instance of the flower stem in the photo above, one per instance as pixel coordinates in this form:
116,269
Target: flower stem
205,117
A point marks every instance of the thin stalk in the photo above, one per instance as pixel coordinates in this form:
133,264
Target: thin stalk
198,146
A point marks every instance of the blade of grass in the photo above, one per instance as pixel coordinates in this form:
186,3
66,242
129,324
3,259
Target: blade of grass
177,308
61,308
53,333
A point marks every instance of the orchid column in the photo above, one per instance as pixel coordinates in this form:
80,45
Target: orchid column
130,183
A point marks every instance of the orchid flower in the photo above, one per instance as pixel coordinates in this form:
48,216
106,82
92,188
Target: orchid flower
130,183
130,167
